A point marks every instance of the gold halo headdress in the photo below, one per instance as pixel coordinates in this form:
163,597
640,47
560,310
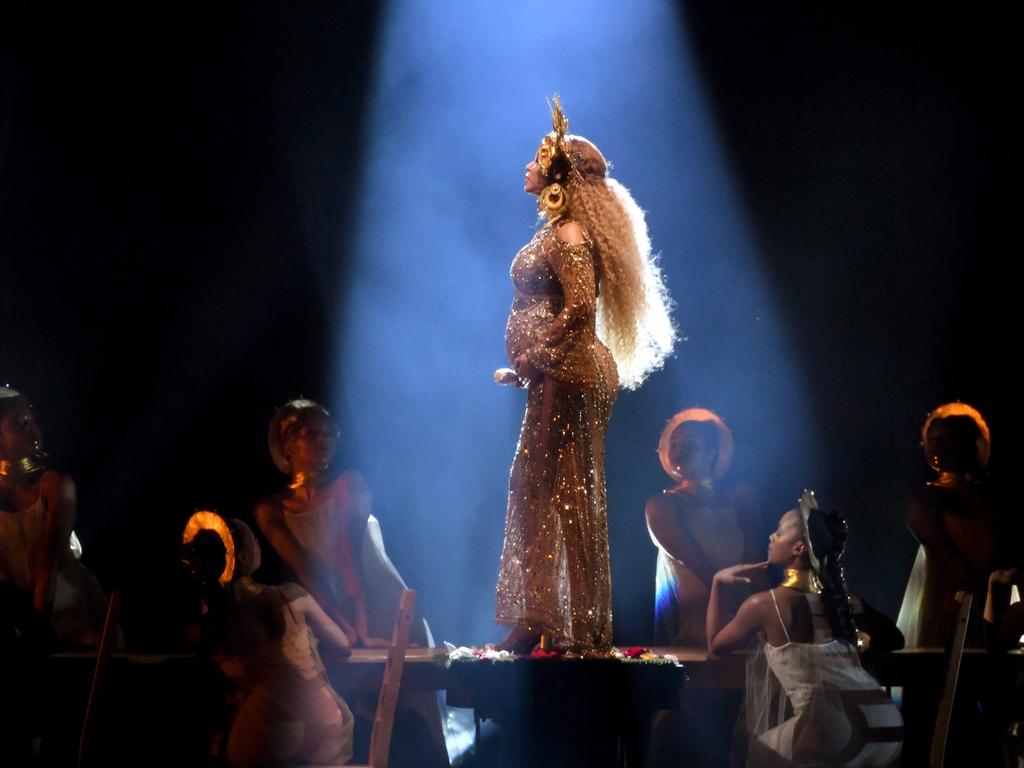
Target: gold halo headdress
983,444
702,415
204,520
553,200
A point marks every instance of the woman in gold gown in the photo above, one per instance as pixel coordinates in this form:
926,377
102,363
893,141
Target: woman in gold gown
590,313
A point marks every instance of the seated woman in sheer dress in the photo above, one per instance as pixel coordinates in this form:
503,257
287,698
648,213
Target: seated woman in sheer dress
809,700
264,638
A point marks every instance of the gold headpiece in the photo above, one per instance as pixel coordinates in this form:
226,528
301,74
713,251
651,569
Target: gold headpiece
204,520
554,199
699,415
983,445
811,516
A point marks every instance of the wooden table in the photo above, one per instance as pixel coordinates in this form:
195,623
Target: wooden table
160,698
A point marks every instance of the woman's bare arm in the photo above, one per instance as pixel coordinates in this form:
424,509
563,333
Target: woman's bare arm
1006,622
60,504
725,631
671,535
309,570
325,629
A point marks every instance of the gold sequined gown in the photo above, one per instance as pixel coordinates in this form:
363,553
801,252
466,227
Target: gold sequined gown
554,575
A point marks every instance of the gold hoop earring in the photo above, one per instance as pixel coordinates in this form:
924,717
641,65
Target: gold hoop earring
553,200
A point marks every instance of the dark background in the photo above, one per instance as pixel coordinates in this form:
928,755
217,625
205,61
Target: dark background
167,275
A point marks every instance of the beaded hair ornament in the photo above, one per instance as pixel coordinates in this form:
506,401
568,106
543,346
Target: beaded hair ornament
554,149
815,530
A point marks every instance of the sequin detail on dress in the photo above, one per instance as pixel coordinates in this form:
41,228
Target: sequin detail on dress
554,575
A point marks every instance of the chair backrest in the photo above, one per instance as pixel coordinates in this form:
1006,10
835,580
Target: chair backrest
956,652
99,677
387,702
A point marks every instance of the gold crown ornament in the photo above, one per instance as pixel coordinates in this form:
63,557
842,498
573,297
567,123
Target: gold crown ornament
553,200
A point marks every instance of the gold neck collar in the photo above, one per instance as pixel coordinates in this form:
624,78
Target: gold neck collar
25,468
954,479
804,580
687,487
307,479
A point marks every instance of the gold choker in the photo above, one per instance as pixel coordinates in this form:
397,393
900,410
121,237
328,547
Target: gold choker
954,479
701,488
26,468
801,579
308,479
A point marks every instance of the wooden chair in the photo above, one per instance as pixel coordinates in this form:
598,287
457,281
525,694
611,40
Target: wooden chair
956,652
99,677
387,701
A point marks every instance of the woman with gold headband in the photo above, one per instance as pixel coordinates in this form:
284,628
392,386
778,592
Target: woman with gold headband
809,700
590,312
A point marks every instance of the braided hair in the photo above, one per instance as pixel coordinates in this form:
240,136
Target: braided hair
827,533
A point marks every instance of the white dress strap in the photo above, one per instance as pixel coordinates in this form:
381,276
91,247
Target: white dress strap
779,614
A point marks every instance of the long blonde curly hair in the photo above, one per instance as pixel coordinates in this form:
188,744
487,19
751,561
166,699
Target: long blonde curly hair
633,309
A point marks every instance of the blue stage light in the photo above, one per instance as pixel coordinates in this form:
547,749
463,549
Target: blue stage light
456,110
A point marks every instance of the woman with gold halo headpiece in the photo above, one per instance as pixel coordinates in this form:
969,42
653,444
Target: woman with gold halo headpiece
967,527
961,520
700,524
590,312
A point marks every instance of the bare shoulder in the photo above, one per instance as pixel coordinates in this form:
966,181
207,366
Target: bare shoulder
759,600
57,484
293,592
352,486
660,512
353,481
658,506
758,606
59,498
787,599
571,232
268,510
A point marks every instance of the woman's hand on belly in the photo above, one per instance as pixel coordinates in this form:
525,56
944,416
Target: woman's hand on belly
525,369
